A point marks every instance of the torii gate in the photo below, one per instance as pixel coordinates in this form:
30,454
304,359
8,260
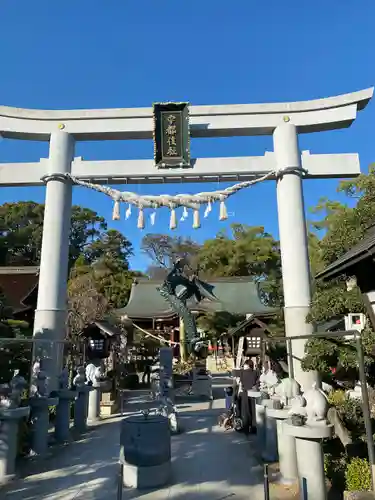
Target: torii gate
282,120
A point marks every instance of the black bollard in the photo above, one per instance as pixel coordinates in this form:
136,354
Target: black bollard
120,481
266,482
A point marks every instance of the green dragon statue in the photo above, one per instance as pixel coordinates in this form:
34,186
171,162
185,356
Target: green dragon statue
188,287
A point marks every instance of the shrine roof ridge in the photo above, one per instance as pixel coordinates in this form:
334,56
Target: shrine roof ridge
359,97
225,279
236,295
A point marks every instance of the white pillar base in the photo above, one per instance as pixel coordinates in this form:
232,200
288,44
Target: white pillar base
310,458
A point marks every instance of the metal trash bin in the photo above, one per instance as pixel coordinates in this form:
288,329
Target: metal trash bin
228,392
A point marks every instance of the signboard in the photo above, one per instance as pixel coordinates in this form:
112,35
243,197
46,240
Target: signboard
171,135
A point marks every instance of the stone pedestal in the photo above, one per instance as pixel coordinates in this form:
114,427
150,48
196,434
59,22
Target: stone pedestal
202,385
62,423
145,451
108,404
40,423
94,401
260,417
270,452
254,397
286,446
81,408
9,422
166,372
310,458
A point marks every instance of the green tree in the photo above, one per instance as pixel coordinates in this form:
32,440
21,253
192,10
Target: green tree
163,250
111,245
341,227
246,251
20,233
215,324
86,227
21,230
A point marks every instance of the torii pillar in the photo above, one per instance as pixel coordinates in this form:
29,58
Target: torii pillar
293,245
51,312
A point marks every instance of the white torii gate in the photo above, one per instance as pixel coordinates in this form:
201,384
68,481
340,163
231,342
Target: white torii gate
283,120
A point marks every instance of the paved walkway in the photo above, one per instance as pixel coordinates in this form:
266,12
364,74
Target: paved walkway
208,464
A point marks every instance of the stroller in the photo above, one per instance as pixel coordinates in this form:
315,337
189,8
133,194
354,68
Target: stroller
231,419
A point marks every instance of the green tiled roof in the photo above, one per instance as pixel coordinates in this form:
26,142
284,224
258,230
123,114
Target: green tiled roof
234,295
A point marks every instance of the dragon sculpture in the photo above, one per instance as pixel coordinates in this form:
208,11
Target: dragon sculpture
177,289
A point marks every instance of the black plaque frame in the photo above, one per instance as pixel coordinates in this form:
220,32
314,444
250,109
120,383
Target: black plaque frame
171,135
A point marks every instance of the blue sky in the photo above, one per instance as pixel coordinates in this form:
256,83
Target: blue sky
97,54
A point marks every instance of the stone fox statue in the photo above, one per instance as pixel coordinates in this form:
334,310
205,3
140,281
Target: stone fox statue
188,287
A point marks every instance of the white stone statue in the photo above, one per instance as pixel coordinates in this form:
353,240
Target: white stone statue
17,385
287,390
313,405
94,374
298,406
34,378
268,381
317,405
39,382
80,379
5,399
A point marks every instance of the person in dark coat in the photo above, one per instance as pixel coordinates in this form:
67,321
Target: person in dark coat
147,371
248,380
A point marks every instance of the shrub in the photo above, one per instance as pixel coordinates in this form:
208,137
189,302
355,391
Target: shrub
336,398
358,475
335,469
183,367
350,412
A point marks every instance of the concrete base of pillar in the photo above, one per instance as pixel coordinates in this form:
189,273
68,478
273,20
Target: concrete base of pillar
9,422
310,458
40,423
81,408
94,402
147,477
260,416
254,396
62,423
270,453
286,447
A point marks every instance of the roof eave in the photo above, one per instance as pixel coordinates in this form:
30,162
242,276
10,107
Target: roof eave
333,271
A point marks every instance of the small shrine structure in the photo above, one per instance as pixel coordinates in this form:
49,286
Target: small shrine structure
255,334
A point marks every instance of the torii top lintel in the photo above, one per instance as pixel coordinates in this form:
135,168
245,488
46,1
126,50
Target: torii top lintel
205,121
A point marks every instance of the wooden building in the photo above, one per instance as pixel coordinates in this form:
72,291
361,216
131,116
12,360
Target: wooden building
20,287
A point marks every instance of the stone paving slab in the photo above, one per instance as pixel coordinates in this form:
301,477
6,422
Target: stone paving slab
208,464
